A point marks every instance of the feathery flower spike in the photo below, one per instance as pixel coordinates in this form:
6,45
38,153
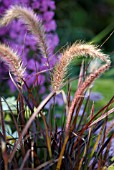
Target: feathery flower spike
77,49
89,80
31,20
13,61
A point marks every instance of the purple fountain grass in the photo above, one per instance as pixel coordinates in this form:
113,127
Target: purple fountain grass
16,36
76,50
13,61
81,90
35,138
32,21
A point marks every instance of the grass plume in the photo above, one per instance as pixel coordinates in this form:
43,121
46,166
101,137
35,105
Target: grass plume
81,90
13,61
77,49
32,21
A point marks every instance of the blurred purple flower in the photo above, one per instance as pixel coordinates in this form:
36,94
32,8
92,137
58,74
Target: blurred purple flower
48,15
3,31
42,90
32,65
44,5
30,79
80,112
16,35
50,26
52,38
35,4
94,96
58,101
41,79
58,116
52,5
12,87
59,129
30,42
1,10
6,3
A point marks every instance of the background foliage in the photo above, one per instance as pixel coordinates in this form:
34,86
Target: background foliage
90,20
79,19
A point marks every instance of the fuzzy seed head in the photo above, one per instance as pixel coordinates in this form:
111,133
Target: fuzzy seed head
32,21
77,49
13,61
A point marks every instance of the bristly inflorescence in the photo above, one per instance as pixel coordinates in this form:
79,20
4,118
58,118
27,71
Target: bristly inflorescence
27,44
32,21
13,61
77,49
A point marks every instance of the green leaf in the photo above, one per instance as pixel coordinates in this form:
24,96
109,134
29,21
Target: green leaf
103,33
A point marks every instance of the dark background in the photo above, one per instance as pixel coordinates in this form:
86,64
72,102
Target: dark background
84,19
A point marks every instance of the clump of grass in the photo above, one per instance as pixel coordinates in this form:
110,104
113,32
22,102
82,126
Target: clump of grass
76,50
39,143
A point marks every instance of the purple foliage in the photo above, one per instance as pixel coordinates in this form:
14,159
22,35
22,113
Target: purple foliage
17,36
108,125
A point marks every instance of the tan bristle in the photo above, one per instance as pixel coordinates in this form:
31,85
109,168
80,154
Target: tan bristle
77,49
89,80
32,21
13,61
